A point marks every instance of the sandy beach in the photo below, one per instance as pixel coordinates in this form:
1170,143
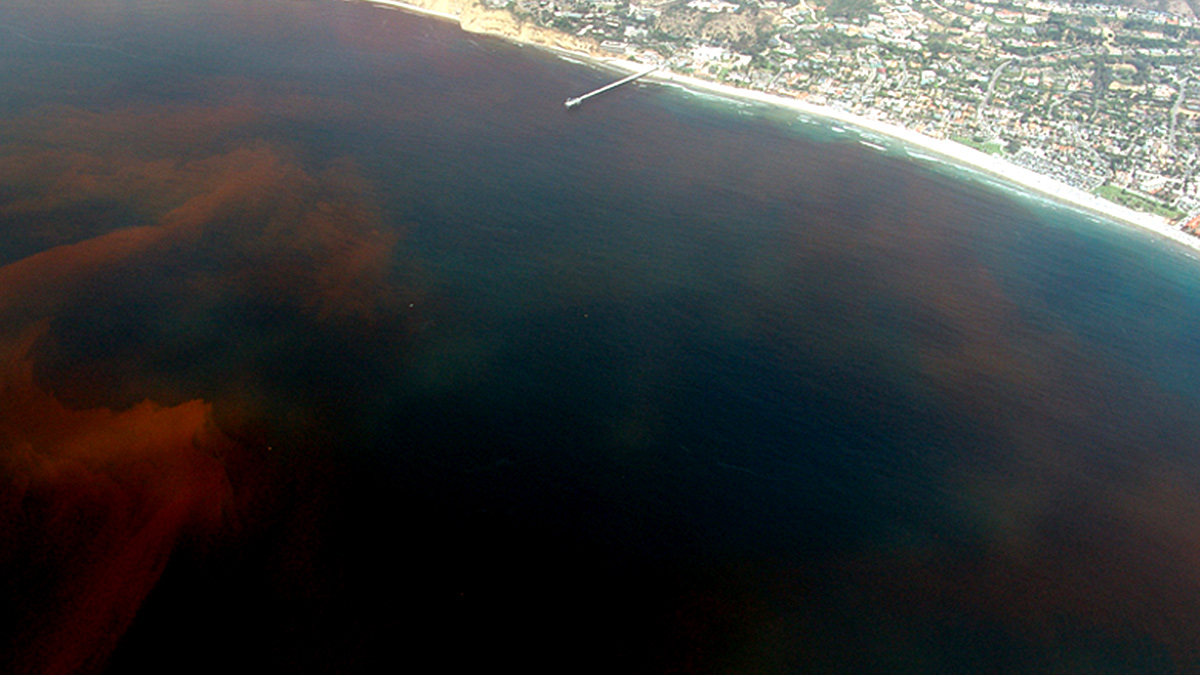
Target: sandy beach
415,9
954,152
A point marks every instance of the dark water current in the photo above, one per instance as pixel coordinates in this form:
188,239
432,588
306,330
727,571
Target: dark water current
334,344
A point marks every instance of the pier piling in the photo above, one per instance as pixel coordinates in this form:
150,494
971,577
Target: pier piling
575,102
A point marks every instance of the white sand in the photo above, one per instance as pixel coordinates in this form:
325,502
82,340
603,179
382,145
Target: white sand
957,152
415,9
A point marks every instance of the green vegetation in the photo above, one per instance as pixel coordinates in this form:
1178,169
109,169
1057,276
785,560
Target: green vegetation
1010,80
849,8
990,147
1137,202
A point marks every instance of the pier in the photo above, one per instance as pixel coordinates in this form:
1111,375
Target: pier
575,102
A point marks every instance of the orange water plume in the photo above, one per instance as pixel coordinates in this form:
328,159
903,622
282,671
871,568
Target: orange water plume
94,500
92,505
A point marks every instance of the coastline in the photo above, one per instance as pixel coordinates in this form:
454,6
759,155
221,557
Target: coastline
416,9
954,152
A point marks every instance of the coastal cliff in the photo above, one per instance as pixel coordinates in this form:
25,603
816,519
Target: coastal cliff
475,18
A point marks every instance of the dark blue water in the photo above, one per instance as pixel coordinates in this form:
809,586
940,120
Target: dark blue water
664,384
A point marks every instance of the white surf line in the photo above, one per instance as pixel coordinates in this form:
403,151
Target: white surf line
73,45
413,8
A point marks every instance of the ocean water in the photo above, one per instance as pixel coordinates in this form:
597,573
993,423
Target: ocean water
336,344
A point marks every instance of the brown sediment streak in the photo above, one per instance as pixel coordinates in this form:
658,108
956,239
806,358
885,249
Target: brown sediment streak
143,158
94,503
40,283
1064,538
33,287
95,500
1064,535
149,130
340,264
313,241
324,250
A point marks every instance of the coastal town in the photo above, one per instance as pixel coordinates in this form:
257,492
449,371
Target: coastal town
1103,98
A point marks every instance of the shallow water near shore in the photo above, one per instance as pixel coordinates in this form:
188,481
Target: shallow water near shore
647,386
